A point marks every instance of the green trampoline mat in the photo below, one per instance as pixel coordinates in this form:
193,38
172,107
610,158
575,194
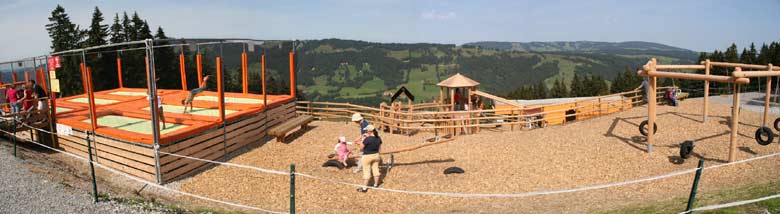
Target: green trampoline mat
141,126
129,93
98,101
231,100
63,110
211,112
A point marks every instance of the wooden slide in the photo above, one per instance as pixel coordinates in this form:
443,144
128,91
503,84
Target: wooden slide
497,98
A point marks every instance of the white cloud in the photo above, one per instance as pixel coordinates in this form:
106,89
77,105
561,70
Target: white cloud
435,15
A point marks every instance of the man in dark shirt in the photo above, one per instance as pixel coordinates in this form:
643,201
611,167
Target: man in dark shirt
39,94
371,146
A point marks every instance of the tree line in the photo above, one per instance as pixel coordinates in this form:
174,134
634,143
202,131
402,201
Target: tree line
66,35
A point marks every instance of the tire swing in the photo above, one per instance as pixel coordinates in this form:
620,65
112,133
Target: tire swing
686,149
764,132
777,124
643,128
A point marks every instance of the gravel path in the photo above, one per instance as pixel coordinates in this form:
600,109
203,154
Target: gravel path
23,191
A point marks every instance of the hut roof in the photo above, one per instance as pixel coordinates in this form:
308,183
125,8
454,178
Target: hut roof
458,81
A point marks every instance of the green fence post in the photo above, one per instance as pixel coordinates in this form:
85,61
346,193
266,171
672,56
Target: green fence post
695,186
92,168
13,138
292,188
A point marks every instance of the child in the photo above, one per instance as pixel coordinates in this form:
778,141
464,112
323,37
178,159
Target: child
342,151
192,93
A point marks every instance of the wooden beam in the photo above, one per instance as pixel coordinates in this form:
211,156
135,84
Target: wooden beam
742,65
734,125
766,97
651,103
705,109
748,74
689,76
679,67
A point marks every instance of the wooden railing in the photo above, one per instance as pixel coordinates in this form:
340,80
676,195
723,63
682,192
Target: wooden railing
427,117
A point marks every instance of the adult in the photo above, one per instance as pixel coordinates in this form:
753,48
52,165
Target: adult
192,93
363,123
13,100
456,97
371,159
39,95
28,98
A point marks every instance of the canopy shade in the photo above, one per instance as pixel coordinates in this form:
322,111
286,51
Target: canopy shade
458,81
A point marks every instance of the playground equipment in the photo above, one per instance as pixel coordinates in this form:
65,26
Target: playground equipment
738,77
439,118
119,127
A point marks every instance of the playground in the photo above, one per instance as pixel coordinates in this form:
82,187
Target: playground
567,155
601,150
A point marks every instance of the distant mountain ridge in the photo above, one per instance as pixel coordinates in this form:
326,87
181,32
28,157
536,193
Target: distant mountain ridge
629,47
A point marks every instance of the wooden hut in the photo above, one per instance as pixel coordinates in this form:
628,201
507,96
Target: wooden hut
460,84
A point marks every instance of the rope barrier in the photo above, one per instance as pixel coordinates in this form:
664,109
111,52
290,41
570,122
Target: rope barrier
147,182
732,204
449,194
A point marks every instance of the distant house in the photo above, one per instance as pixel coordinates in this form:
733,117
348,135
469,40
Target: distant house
387,93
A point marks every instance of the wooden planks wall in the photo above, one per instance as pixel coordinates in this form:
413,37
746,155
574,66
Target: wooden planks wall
138,159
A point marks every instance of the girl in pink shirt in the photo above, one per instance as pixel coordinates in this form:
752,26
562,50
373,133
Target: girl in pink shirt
342,151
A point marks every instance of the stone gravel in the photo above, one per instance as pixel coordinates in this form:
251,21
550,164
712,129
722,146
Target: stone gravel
23,191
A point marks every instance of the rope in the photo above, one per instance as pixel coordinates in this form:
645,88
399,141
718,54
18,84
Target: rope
464,195
144,181
736,203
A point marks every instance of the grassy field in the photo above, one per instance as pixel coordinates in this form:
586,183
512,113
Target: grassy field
422,84
677,205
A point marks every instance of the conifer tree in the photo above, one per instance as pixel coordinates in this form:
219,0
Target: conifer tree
117,31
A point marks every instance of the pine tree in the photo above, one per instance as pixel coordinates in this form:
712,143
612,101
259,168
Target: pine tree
144,32
65,36
129,29
97,33
577,87
764,55
167,65
540,91
558,90
619,83
137,24
117,31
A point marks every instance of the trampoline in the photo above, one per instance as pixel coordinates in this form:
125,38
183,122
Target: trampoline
124,114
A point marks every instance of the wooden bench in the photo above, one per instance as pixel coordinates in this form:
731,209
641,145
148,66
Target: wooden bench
281,130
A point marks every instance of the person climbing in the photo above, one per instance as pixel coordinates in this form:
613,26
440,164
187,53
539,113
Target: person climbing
342,151
160,111
192,93
13,100
363,123
671,95
39,95
371,159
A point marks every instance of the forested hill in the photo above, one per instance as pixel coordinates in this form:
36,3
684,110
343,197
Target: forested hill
632,47
359,72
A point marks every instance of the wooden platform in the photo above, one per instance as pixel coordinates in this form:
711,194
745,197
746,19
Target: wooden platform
137,159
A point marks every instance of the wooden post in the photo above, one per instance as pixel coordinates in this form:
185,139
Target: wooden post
182,70
767,96
262,70
651,103
219,88
734,123
119,72
26,76
13,75
707,68
199,62
441,95
292,74
244,74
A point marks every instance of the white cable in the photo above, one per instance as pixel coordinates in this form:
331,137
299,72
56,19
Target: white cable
153,184
271,171
516,195
736,203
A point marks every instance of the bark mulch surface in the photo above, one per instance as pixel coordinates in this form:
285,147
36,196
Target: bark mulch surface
583,153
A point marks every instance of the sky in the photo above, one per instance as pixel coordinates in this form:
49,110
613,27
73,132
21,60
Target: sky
694,25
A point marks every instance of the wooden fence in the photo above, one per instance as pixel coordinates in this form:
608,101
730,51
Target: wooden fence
435,117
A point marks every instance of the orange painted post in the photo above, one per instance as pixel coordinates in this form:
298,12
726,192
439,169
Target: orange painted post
92,106
146,60
83,77
26,76
183,72
43,81
292,74
13,75
265,96
199,60
119,72
219,89
244,74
